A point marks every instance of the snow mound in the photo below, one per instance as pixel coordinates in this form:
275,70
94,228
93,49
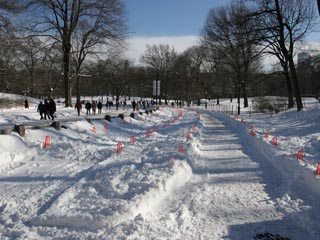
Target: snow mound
108,196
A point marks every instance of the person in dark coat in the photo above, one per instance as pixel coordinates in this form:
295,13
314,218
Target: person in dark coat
26,103
94,107
41,110
78,106
99,105
51,108
88,107
134,105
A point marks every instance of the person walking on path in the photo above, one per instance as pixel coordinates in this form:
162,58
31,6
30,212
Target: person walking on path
78,106
41,110
52,108
46,109
26,103
133,105
94,107
99,105
88,107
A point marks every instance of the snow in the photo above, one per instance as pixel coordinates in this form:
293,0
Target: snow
190,173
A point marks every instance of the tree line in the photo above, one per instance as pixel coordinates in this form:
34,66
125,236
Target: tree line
66,48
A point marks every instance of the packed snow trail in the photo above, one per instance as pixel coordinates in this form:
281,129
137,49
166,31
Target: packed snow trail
219,187
226,198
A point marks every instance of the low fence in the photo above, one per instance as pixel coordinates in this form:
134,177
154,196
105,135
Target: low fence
20,127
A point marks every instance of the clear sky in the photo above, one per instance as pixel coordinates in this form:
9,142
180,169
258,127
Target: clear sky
177,23
168,17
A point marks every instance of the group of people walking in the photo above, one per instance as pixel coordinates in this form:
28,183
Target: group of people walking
47,109
89,106
95,107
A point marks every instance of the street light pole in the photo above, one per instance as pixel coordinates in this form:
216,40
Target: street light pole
157,89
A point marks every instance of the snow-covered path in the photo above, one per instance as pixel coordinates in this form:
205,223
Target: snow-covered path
221,186
225,198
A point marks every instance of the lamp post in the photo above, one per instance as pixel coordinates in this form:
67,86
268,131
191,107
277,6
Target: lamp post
156,88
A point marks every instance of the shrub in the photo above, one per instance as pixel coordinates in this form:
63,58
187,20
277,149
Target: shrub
269,105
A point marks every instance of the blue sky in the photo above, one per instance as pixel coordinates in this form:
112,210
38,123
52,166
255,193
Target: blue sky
168,17
177,23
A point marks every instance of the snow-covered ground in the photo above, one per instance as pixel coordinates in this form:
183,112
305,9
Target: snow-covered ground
182,173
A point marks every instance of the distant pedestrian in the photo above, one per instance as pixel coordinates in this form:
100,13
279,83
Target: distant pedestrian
88,107
117,105
26,103
133,105
41,110
46,109
78,106
94,107
52,108
99,105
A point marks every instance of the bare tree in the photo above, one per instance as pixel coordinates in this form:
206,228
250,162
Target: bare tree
8,9
103,21
284,24
160,58
182,68
29,53
196,56
100,73
52,67
117,72
8,63
230,36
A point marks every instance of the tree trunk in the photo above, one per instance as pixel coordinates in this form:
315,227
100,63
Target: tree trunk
295,84
290,91
66,63
78,88
165,98
31,85
117,100
288,55
239,94
245,97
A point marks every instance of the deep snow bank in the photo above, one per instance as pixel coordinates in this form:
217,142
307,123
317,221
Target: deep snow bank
108,196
